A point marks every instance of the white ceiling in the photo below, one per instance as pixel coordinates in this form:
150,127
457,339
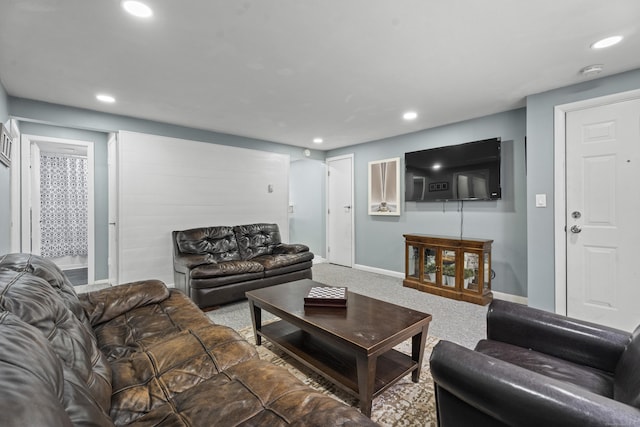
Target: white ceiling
291,70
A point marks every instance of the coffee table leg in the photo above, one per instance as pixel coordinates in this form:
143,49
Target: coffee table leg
417,351
366,381
256,319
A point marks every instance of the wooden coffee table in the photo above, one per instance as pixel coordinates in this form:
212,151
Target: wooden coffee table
352,347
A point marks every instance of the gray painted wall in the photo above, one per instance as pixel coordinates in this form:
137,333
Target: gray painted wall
60,115
540,146
5,185
76,123
523,234
379,241
101,183
307,195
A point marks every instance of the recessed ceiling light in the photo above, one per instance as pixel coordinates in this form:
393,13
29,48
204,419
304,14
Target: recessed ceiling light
436,166
105,98
318,140
410,115
137,8
609,41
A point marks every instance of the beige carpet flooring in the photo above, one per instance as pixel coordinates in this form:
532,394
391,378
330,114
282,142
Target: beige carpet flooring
403,404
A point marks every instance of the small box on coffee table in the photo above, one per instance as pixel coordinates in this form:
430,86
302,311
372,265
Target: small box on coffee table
326,296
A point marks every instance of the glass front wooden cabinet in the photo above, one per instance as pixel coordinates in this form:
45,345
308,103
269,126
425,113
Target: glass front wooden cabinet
448,266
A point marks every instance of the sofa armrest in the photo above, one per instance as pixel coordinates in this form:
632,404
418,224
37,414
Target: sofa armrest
560,336
294,248
109,303
516,396
184,262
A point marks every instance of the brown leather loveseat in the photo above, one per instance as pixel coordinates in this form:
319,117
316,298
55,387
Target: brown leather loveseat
138,354
217,265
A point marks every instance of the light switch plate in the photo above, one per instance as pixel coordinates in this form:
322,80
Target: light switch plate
541,200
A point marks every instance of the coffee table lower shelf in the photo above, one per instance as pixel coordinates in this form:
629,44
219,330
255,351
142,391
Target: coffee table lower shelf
337,365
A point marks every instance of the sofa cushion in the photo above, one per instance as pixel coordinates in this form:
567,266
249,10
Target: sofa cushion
143,326
627,376
48,271
37,390
257,239
28,367
227,268
34,301
592,379
215,282
301,266
79,404
147,380
272,262
109,303
294,248
220,242
253,393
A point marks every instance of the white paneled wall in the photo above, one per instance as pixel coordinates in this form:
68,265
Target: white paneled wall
167,184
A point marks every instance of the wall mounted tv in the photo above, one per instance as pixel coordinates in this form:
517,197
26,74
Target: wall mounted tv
468,171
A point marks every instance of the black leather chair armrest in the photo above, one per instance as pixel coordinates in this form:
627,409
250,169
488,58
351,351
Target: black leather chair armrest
294,248
515,396
184,262
569,339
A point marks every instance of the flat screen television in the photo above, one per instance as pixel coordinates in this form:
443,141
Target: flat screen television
468,171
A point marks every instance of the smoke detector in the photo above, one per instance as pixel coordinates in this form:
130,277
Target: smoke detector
592,70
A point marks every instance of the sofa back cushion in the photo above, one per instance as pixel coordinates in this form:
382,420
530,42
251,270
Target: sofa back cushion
257,239
218,242
37,390
37,303
626,386
48,271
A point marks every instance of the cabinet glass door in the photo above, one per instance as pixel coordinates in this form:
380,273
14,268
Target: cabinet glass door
413,262
449,268
471,271
430,265
487,271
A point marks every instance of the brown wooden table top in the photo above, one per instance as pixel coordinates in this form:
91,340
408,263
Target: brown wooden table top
367,323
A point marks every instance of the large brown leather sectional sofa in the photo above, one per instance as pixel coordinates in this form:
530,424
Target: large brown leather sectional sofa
138,354
217,265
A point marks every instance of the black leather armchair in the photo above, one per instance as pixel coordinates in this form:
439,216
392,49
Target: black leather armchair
539,369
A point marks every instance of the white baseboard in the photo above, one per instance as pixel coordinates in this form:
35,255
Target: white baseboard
101,282
510,297
319,260
391,273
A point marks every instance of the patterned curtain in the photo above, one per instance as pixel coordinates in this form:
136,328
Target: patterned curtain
63,205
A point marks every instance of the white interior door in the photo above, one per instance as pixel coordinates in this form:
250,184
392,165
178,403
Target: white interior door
340,210
602,196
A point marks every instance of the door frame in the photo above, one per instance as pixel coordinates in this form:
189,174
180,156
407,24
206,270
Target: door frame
24,190
560,186
113,212
327,195
15,187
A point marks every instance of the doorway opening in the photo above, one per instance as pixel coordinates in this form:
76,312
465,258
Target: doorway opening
57,214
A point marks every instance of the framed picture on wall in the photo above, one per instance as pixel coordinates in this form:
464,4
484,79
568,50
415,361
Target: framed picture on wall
5,146
384,187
